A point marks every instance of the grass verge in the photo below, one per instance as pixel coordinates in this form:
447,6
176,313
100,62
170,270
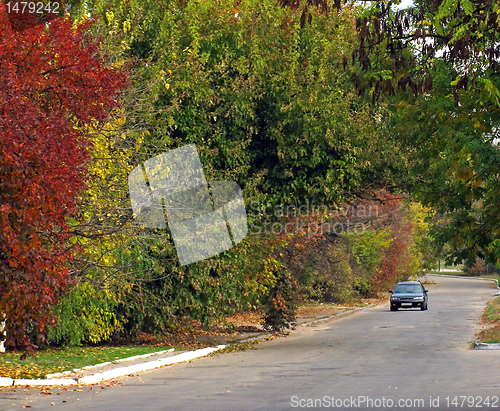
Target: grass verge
491,322
65,359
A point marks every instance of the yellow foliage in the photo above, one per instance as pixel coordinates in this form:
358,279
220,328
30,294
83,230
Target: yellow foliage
106,194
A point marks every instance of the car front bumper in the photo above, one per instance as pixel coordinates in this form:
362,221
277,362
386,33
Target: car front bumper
407,304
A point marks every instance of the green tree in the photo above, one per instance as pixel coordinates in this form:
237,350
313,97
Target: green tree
265,98
436,66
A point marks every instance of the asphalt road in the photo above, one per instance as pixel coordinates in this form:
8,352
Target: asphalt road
375,359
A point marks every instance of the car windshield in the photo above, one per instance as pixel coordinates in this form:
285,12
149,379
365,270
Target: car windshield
408,289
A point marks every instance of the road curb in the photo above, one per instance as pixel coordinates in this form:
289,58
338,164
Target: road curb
251,339
6,382
104,364
44,382
486,346
150,365
318,320
305,324
115,373
468,278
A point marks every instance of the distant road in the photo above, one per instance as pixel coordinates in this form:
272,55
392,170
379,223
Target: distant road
412,360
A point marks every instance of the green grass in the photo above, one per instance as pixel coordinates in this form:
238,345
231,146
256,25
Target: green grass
490,336
491,317
65,359
492,313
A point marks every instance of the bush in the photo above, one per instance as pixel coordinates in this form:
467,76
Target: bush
479,268
85,314
280,304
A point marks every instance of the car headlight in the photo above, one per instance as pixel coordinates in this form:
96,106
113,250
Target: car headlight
394,298
418,299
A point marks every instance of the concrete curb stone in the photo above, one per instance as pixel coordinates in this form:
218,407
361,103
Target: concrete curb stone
467,278
6,382
150,365
110,374
318,320
103,364
44,382
486,346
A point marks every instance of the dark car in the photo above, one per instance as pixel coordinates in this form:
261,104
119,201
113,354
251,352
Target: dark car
409,294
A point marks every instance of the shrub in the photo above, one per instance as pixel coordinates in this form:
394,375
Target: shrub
280,304
85,314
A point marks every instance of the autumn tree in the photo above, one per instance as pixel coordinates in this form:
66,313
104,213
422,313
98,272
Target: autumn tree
53,82
433,69
259,87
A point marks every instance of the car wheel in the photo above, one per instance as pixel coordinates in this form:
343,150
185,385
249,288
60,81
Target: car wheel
394,308
424,307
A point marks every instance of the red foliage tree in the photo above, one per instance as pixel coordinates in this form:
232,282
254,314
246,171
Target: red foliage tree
392,267
24,15
53,82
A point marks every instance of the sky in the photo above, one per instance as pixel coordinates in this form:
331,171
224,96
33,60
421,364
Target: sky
405,3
